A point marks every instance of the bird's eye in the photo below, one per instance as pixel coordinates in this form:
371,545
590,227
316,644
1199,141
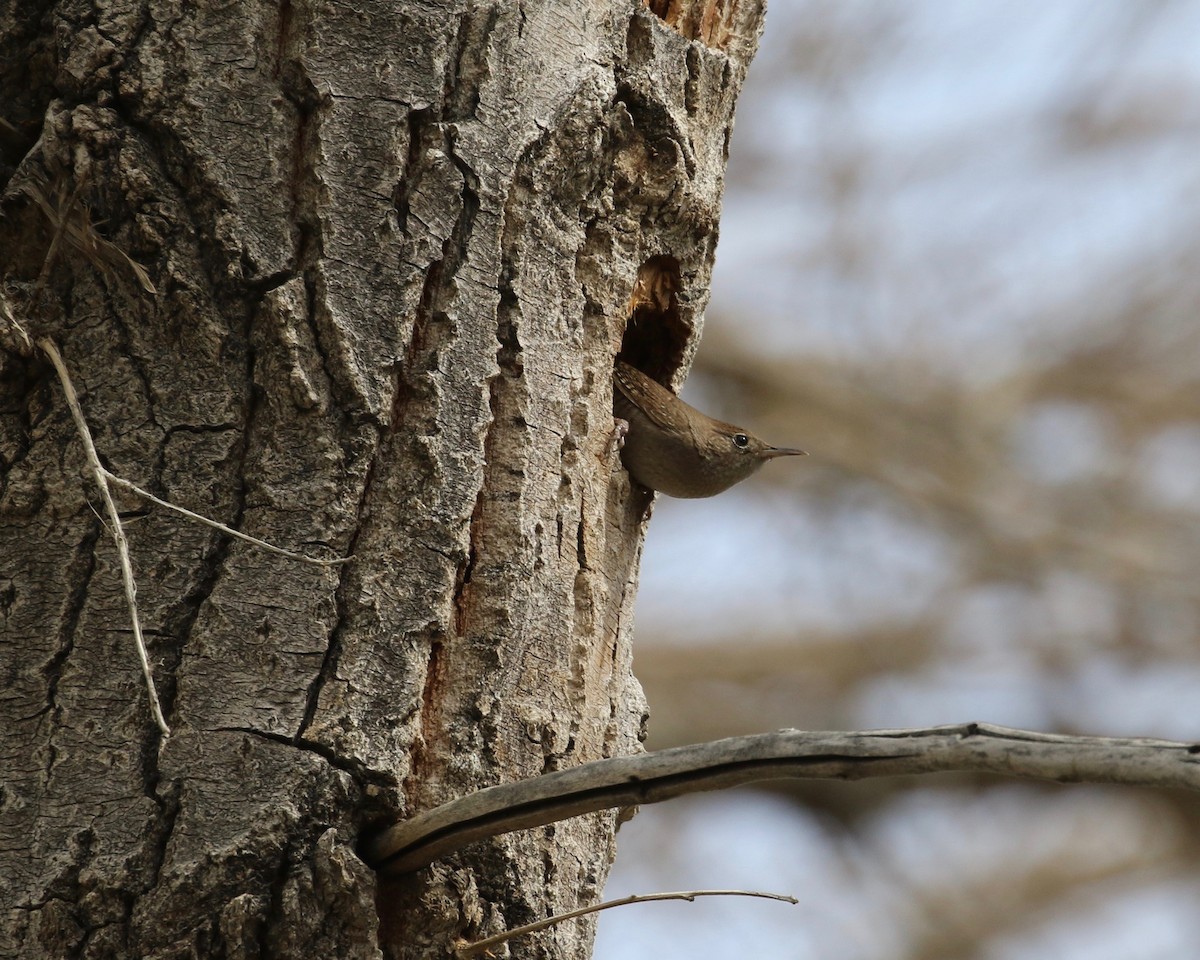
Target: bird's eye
740,440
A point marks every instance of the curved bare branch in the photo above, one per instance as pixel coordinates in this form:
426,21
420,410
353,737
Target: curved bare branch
665,774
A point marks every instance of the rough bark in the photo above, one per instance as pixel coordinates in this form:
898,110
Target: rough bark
396,247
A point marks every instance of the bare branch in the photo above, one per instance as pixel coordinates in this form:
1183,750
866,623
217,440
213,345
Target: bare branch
100,475
481,946
102,254
133,487
665,774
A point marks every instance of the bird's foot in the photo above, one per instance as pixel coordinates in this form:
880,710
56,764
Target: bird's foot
620,431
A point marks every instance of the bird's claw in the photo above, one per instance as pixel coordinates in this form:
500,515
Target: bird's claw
620,432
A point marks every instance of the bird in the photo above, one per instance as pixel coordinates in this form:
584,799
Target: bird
672,447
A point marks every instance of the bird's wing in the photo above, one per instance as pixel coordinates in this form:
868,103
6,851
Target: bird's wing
652,398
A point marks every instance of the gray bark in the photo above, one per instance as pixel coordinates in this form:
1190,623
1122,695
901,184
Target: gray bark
396,247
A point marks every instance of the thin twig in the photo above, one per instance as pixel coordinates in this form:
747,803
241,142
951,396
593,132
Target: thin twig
101,477
479,946
122,482
103,254
59,221
97,250
6,315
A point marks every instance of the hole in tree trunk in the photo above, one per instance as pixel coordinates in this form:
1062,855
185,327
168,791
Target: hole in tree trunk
655,334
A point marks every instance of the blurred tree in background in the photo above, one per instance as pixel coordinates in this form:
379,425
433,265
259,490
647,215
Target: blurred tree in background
959,266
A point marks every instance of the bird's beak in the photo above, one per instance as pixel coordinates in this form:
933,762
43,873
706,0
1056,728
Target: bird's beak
772,452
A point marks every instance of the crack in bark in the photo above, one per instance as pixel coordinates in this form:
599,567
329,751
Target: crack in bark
333,646
29,380
169,810
276,911
304,187
180,618
359,772
418,122
79,573
466,70
509,369
432,699
461,596
580,542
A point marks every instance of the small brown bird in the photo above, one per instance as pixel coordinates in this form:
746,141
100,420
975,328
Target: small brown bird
674,448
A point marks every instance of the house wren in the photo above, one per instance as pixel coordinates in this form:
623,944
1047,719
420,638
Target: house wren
673,447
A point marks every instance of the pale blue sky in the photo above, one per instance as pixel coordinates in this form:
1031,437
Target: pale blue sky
974,215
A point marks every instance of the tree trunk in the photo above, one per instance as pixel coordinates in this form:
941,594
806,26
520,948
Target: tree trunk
395,249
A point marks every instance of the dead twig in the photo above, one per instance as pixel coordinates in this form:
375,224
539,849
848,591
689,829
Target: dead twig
481,946
100,475
81,234
76,227
662,775
134,488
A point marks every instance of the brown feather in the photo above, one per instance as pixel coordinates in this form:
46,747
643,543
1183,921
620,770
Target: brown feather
673,447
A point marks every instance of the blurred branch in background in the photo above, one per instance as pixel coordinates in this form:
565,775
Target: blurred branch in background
958,267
